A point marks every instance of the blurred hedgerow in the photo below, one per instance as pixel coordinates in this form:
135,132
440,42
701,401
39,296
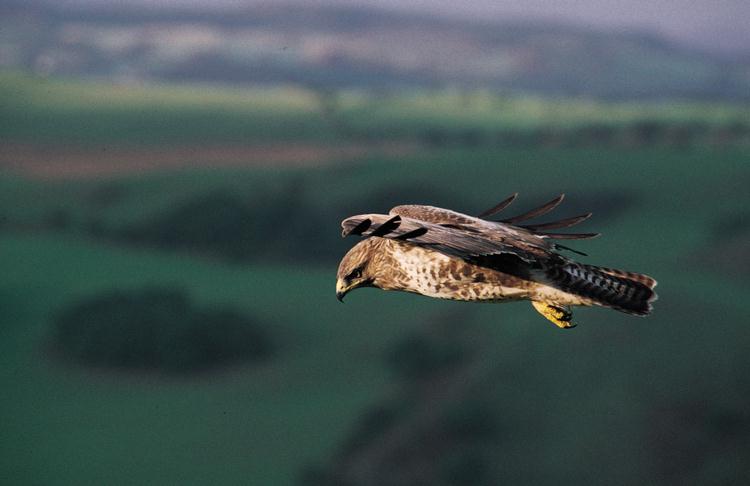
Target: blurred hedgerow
156,329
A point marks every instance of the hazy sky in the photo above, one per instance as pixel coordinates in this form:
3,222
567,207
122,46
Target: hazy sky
713,24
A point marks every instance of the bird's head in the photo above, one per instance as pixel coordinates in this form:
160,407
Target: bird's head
356,268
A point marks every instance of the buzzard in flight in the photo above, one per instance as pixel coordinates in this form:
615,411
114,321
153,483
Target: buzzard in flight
445,254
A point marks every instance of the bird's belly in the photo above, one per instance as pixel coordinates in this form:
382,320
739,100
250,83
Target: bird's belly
434,274
477,293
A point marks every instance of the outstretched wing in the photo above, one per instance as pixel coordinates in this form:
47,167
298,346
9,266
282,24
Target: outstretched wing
495,244
462,242
448,217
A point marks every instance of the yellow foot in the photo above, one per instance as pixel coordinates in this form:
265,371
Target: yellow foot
559,315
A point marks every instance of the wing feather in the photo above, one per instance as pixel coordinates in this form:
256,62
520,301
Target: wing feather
499,206
386,227
562,223
536,212
531,233
468,245
570,236
357,229
495,244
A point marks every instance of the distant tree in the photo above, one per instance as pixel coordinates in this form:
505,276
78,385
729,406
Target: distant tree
738,129
680,135
595,134
471,137
320,476
156,328
468,466
96,228
435,137
106,194
729,133
371,425
471,421
420,357
57,220
217,222
647,132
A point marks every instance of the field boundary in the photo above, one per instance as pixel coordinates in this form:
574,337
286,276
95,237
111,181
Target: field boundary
70,162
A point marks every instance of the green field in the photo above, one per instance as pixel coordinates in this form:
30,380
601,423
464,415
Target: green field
42,111
617,400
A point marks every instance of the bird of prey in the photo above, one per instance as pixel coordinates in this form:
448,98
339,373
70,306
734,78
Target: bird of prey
448,255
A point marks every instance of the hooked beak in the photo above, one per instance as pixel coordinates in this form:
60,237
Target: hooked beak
341,290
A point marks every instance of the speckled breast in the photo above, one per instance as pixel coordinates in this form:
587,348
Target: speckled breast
435,274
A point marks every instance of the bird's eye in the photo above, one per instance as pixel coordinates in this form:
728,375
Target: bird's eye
356,273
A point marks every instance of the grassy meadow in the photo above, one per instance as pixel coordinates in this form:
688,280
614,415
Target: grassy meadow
617,400
39,111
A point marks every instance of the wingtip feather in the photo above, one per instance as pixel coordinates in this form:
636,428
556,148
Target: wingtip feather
536,212
499,206
562,223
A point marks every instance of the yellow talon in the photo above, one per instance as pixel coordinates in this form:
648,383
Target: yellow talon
559,315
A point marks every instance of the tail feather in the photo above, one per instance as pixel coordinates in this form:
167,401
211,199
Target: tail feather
638,277
624,291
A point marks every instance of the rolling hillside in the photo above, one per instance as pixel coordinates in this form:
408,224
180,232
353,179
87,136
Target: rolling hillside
327,47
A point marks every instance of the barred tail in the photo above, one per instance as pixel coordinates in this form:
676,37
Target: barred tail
628,292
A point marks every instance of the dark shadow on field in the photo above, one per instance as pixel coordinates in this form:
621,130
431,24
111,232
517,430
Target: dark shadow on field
155,329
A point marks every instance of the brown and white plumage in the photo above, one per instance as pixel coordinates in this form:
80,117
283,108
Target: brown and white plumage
445,254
